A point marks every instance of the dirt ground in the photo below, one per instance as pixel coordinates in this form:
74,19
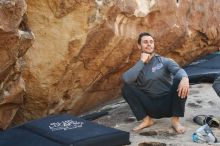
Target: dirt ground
202,100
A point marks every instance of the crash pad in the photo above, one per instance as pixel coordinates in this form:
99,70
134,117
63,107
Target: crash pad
63,130
204,69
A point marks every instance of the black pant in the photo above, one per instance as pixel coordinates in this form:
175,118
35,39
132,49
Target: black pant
142,105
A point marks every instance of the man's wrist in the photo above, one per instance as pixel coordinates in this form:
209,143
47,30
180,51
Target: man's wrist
185,77
142,61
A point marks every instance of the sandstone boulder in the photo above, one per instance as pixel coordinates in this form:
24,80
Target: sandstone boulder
15,39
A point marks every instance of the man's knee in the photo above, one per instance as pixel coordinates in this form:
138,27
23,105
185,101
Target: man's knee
176,82
174,88
128,90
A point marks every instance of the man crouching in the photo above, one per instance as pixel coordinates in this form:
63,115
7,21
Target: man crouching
155,87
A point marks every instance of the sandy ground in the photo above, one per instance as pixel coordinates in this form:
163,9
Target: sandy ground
202,100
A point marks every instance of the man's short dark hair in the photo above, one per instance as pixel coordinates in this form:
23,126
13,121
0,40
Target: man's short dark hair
143,34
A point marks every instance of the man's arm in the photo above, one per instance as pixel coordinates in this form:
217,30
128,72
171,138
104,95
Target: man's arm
130,76
216,86
175,69
183,88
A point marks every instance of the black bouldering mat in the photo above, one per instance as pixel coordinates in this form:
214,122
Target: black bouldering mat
65,130
21,137
204,69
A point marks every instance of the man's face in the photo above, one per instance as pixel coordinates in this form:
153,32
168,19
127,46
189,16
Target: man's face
147,44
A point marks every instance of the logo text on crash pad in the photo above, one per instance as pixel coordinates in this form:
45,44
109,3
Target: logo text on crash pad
65,125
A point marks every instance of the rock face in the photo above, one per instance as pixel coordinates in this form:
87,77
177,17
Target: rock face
82,47
15,39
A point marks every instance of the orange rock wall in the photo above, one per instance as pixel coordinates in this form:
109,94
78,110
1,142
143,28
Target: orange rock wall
15,39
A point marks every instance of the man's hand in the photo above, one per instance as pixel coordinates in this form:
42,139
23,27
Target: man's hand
145,57
183,88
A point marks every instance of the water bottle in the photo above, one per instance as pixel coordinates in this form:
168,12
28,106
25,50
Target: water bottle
204,135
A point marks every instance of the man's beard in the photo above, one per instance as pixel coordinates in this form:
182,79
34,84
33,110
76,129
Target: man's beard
143,51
